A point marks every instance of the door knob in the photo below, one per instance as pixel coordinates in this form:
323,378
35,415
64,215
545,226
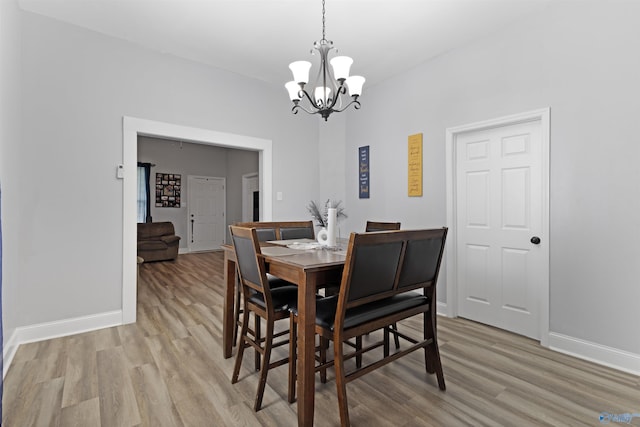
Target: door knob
535,240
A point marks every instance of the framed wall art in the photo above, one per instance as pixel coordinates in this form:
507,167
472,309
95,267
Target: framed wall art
363,175
415,165
168,190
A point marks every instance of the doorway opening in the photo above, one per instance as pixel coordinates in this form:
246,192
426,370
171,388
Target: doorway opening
134,127
250,197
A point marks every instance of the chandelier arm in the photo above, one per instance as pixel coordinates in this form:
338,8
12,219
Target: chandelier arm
341,91
300,107
355,103
313,104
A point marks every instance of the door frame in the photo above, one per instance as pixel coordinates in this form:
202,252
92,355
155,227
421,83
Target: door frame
542,115
133,127
190,179
245,186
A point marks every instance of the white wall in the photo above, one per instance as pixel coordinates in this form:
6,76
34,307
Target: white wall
76,87
331,158
579,58
10,170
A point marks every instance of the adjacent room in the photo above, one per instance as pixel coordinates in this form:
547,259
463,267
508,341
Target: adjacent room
438,230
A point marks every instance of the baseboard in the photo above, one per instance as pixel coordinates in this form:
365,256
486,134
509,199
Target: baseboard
8,352
59,328
441,308
597,353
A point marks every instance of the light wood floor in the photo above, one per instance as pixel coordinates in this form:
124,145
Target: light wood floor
168,370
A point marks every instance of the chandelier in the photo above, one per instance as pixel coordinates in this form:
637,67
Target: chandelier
330,86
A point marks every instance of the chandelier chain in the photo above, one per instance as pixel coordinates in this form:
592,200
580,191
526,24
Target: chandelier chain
323,37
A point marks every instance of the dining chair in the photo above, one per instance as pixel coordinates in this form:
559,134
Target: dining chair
385,226
266,301
382,273
264,232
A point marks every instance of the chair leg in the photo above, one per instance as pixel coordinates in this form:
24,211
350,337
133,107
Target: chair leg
385,341
341,387
264,370
359,348
237,312
324,344
293,357
241,345
432,360
396,338
258,334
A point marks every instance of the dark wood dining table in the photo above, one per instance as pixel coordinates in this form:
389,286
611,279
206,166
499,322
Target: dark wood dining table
307,269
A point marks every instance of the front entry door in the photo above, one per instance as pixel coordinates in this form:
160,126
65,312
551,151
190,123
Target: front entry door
499,197
206,213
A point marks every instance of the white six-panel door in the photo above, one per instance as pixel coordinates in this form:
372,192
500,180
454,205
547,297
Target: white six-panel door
206,213
499,211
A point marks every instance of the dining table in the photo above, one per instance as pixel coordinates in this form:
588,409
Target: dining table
307,268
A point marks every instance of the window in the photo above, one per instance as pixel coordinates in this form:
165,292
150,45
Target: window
144,197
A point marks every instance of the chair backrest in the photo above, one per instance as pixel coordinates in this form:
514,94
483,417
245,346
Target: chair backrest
381,226
265,230
297,230
381,265
281,230
251,267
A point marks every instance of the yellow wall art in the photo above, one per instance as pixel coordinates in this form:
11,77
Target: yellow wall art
415,165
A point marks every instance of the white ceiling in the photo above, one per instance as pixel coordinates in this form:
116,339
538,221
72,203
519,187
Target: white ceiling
259,38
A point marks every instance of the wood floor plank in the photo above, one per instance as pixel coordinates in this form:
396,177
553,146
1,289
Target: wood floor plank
81,374
83,414
20,392
49,399
154,401
167,370
118,406
168,361
133,344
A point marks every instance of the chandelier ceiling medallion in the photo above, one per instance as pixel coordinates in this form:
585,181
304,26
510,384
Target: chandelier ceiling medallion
330,85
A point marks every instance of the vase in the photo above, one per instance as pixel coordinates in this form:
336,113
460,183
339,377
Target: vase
323,236
332,226
327,236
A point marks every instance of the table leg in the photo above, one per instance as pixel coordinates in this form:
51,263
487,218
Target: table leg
306,348
227,310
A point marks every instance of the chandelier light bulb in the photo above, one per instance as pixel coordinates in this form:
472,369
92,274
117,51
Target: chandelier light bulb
300,70
341,66
294,90
322,95
355,84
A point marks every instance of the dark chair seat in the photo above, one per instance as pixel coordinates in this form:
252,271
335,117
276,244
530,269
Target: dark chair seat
282,297
326,309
